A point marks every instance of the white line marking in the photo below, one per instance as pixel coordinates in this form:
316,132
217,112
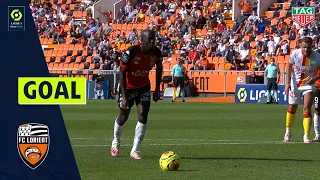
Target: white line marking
84,138
193,144
201,140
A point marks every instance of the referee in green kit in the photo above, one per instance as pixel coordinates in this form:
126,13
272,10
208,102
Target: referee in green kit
273,74
178,73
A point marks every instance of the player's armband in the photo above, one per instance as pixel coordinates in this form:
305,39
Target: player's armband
125,57
124,61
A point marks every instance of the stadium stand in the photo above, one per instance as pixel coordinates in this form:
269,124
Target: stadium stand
200,32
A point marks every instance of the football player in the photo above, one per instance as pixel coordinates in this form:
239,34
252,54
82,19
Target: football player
135,66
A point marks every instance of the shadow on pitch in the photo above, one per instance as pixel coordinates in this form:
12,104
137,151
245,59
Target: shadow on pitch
235,158
187,170
250,159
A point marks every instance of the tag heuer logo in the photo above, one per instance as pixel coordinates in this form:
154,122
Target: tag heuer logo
303,15
33,143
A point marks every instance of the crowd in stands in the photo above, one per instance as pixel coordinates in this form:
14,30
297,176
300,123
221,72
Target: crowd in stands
195,30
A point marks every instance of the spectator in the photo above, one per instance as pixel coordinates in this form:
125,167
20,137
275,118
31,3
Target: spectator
201,21
254,18
166,46
282,27
172,7
201,48
261,27
143,7
132,35
106,65
244,56
230,54
96,58
152,9
292,35
232,40
115,66
202,64
121,16
271,46
76,36
284,48
249,27
246,7
221,27
131,15
221,49
59,35
253,78
63,17
239,22
92,43
259,62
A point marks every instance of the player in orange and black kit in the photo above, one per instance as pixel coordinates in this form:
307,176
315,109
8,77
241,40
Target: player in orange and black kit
135,66
317,112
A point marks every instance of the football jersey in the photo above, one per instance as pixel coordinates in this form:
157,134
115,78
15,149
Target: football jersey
138,66
303,67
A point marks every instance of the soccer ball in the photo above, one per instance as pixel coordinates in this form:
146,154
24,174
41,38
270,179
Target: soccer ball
169,161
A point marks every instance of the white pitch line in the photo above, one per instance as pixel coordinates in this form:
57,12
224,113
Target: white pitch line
192,144
201,140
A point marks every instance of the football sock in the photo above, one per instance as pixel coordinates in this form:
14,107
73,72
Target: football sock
268,96
139,135
117,132
306,124
182,94
316,124
291,116
276,96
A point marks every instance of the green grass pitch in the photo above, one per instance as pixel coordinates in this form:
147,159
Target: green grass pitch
214,141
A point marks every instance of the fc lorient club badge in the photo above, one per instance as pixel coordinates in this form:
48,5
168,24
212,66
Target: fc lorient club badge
33,143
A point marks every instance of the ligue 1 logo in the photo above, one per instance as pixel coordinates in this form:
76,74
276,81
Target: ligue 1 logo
33,143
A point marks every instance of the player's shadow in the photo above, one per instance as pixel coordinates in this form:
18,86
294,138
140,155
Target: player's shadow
242,158
187,170
250,159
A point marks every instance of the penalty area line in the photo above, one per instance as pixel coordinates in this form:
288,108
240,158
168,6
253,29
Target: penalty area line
191,144
201,140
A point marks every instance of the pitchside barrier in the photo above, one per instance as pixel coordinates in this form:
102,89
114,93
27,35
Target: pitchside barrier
217,81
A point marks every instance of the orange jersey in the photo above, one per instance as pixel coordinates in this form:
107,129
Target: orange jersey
139,66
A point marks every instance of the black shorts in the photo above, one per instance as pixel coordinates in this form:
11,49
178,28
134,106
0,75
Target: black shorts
316,100
178,82
137,96
272,83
